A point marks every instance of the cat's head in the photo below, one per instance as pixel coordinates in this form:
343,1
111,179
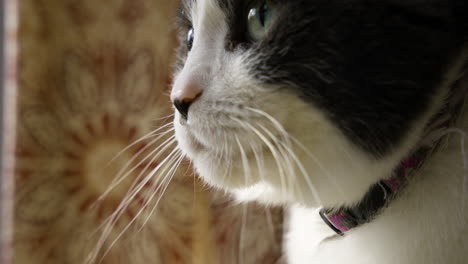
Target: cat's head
309,99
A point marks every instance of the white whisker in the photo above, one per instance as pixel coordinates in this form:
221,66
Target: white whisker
141,185
165,182
260,167
171,172
150,134
119,178
133,191
281,146
273,151
164,117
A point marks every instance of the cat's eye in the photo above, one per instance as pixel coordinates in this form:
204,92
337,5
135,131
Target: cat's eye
190,34
261,18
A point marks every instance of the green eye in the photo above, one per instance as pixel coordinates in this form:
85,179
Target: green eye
190,34
260,19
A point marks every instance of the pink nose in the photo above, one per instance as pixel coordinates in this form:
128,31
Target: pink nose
185,91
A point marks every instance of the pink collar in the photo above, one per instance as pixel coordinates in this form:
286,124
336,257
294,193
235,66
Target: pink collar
379,195
344,219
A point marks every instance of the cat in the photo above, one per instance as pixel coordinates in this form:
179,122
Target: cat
348,113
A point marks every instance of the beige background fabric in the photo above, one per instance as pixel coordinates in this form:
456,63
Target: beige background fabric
94,78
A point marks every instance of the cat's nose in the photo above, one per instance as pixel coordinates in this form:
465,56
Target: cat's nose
183,94
183,107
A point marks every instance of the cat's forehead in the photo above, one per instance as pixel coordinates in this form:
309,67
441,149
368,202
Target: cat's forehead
197,7
224,4
203,13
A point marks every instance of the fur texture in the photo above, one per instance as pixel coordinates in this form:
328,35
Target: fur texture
92,84
327,103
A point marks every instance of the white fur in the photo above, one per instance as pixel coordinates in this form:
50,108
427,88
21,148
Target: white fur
424,225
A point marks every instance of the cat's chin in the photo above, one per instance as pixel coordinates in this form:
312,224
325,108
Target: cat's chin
215,171
333,178
228,174
243,189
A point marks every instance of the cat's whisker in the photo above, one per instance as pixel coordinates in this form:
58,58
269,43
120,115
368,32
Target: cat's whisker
290,168
305,174
275,123
284,146
165,170
171,172
133,190
119,178
229,160
160,150
137,189
284,135
111,220
141,139
227,172
220,153
273,151
287,144
245,162
164,117
314,158
259,160
247,175
163,185
227,148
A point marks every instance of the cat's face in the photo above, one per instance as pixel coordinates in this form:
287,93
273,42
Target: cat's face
311,100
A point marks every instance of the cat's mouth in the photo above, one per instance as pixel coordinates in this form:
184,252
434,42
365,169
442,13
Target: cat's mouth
238,151
219,144
193,142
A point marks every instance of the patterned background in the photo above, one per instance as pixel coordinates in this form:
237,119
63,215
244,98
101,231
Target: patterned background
94,78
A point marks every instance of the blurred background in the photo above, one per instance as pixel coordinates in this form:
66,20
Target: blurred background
86,119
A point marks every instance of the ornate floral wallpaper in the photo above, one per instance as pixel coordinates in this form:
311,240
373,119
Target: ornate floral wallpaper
93,123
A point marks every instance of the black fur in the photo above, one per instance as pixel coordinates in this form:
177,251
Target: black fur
371,65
